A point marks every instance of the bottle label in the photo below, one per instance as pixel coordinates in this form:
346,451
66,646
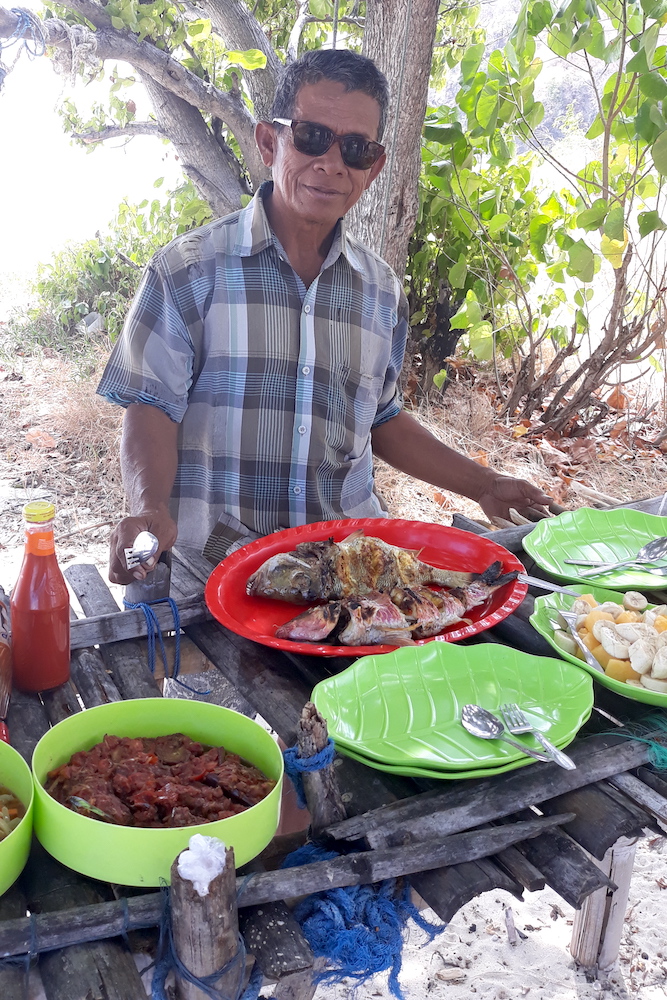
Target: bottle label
40,543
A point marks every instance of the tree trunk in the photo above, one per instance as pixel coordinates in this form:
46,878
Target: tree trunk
399,37
241,31
210,164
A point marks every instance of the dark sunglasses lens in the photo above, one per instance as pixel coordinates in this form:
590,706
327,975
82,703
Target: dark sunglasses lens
311,139
359,153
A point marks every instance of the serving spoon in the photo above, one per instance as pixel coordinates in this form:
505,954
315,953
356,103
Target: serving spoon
484,724
649,553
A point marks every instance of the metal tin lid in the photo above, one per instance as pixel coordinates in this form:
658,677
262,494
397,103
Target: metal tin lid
38,511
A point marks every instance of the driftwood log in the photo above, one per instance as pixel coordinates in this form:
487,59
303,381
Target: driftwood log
205,931
325,804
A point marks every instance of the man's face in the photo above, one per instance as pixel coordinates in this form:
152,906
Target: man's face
321,189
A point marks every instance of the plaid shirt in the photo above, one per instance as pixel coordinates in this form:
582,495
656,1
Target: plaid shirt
275,386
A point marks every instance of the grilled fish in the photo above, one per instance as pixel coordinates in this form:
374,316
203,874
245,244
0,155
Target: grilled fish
397,618
359,565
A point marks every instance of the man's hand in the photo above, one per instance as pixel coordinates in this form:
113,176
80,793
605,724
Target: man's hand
159,523
504,492
148,461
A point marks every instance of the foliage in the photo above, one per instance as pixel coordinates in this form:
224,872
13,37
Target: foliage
488,231
100,276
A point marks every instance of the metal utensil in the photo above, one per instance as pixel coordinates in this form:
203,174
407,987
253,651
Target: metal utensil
145,545
484,724
651,552
518,723
534,581
570,620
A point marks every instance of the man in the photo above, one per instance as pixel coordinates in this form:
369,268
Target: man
259,362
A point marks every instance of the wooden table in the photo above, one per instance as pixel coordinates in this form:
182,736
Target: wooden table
444,835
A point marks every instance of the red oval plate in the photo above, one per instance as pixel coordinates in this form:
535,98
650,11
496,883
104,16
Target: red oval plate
447,548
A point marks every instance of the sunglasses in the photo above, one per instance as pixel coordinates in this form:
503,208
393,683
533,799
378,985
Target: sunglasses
314,140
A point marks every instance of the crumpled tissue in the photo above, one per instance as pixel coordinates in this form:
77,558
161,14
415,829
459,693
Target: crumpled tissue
204,860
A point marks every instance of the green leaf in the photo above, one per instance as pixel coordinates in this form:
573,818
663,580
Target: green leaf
645,127
593,217
250,59
649,222
652,85
614,224
596,128
460,321
480,338
487,104
444,134
118,23
498,223
199,30
612,250
581,261
320,8
649,41
659,153
471,60
440,378
458,272
638,63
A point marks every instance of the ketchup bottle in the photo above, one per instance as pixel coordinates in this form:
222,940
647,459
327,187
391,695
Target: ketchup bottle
40,607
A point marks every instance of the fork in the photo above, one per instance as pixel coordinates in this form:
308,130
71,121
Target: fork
518,724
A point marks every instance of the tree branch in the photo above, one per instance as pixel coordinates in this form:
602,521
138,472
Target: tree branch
115,131
160,67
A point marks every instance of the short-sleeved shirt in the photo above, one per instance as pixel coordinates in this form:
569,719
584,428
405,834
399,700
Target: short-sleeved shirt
275,386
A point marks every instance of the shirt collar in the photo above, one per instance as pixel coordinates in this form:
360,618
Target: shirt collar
255,234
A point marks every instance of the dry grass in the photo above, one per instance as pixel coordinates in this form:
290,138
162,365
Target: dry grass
61,440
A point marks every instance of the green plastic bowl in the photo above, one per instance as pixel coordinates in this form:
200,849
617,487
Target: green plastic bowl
14,849
135,856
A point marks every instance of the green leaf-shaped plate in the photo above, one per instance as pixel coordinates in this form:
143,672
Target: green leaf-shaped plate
611,535
441,773
404,708
541,621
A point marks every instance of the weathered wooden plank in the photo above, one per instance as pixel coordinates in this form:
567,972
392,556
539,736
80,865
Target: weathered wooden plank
106,920
465,805
103,970
27,721
13,978
61,703
521,869
131,624
448,889
520,634
600,819
127,660
566,867
265,677
653,780
93,681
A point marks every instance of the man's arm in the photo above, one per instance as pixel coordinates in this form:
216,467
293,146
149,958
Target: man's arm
409,447
149,459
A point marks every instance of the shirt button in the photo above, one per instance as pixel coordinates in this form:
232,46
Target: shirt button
306,370
306,309
301,429
297,490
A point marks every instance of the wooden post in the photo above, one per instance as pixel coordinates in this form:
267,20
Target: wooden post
598,925
205,929
322,793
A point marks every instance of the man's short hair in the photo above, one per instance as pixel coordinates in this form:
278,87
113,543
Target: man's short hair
354,71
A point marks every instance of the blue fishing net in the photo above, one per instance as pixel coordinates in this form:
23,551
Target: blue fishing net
360,928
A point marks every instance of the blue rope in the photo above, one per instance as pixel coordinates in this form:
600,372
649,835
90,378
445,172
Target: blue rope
28,30
295,767
167,959
154,631
359,929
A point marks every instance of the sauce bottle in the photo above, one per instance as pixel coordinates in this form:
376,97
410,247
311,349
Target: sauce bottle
40,607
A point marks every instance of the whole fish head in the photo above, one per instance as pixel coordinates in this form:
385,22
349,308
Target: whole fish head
288,577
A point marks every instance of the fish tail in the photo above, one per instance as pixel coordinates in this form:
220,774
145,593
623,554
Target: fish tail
492,576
